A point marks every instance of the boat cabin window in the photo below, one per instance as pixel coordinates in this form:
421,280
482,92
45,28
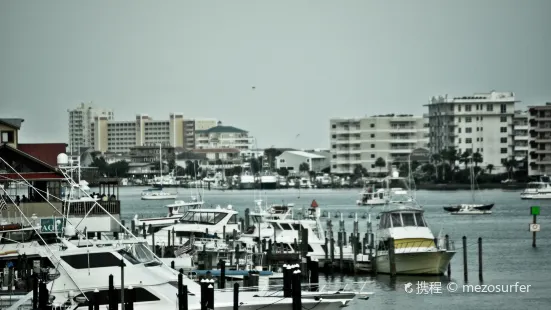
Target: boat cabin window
296,226
256,218
233,219
92,260
129,257
420,220
408,219
535,185
396,220
286,226
385,221
203,217
141,294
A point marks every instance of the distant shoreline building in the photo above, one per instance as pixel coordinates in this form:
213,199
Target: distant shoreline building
81,120
539,141
221,136
93,127
361,141
482,122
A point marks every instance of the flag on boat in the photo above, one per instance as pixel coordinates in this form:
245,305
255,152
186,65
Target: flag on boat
314,204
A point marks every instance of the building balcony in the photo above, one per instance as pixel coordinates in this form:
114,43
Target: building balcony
399,151
544,151
412,129
542,118
521,148
542,129
521,127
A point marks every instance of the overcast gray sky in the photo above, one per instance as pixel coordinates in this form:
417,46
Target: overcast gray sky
309,60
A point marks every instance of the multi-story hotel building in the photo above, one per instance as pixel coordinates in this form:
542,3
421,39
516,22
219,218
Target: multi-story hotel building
221,136
81,120
120,136
361,141
520,135
539,159
482,123
95,127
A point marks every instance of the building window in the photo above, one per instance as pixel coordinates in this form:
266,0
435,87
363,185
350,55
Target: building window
504,150
334,136
372,166
372,125
283,160
372,135
458,108
503,129
503,119
468,130
8,137
503,108
458,140
334,146
468,140
468,108
334,166
372,146
468,119
489,107
504,140
458,129
333,126
334,156
372,155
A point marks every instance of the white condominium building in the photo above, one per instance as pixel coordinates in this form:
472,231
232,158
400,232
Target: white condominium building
482,123
221,136
361,141
95,127
81,120
520,135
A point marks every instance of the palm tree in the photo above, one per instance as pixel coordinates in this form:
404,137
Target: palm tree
450,156
303,167
477,158
490,167
465,158
381,163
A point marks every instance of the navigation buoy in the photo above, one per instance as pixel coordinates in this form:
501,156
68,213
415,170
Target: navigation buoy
314,204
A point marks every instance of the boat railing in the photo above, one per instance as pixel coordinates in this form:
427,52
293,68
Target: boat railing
417,246
327,288
90,208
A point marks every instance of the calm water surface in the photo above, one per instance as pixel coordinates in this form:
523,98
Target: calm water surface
508,253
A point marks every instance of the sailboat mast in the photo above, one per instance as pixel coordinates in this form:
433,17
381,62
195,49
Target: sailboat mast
472,179
161,164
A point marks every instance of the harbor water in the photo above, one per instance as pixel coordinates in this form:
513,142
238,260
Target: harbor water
508,255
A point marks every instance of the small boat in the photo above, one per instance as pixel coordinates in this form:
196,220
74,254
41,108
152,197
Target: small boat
537,190
157,194
482,207
470,210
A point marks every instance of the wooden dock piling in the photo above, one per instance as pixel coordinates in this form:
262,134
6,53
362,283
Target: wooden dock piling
480,277
465,269
392,257
447,249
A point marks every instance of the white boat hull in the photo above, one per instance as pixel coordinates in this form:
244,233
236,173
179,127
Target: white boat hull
416,263
538,196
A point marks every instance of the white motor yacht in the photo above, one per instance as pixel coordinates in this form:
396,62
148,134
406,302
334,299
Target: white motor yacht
199,224
417,252
537,190
176,211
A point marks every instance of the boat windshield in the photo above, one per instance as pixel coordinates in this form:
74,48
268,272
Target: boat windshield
535,185
400,198
137,254
209,218
402,219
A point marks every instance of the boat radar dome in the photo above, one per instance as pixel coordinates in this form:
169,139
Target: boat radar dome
62,160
